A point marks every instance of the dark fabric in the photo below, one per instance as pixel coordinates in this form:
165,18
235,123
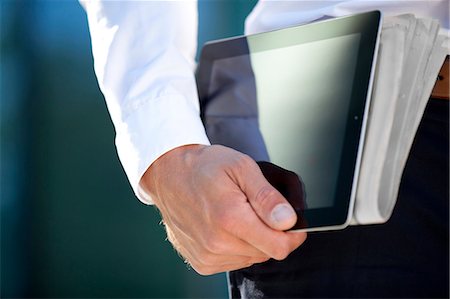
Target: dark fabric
406,257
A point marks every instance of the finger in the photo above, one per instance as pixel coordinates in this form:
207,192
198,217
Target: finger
230,245
275,244
214,241
213,269
267,202
206,263
225,250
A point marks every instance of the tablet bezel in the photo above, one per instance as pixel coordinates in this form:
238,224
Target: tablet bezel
368,25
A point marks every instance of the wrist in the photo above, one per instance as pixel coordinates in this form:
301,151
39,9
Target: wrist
174,161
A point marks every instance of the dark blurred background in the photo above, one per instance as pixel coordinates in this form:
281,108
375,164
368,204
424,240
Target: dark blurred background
70,224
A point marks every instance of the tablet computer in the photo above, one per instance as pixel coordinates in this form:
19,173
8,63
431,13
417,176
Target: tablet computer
297,97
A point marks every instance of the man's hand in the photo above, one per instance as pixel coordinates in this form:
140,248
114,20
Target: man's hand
220,212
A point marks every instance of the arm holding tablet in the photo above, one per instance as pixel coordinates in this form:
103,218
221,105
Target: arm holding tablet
219,211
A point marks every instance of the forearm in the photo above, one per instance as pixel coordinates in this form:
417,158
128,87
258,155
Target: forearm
144,60
220,212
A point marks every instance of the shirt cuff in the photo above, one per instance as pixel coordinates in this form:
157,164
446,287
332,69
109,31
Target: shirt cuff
153,129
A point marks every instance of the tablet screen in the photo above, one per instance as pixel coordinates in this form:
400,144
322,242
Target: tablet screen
296,97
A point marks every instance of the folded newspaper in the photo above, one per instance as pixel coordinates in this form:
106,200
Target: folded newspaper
410,56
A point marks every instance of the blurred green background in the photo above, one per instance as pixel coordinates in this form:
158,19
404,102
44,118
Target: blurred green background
70,224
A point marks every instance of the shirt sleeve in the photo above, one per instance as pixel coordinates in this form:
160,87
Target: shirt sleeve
270,15
144,62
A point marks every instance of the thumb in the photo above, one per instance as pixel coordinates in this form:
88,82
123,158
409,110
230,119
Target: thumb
266,201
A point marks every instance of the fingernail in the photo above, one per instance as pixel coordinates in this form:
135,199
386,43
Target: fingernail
283,213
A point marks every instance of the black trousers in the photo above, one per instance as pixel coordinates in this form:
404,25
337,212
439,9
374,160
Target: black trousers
406,257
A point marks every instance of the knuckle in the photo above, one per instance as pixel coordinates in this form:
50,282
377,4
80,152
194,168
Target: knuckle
215,245
281,252
259,260
302,237
209,272
197,267
208,259
297,239
265,195
245,265
204,261
287,245
244,161
225,220
203,270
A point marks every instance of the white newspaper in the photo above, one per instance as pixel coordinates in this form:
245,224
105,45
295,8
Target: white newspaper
410,56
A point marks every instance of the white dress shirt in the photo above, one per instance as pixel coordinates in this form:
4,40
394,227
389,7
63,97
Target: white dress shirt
144,61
